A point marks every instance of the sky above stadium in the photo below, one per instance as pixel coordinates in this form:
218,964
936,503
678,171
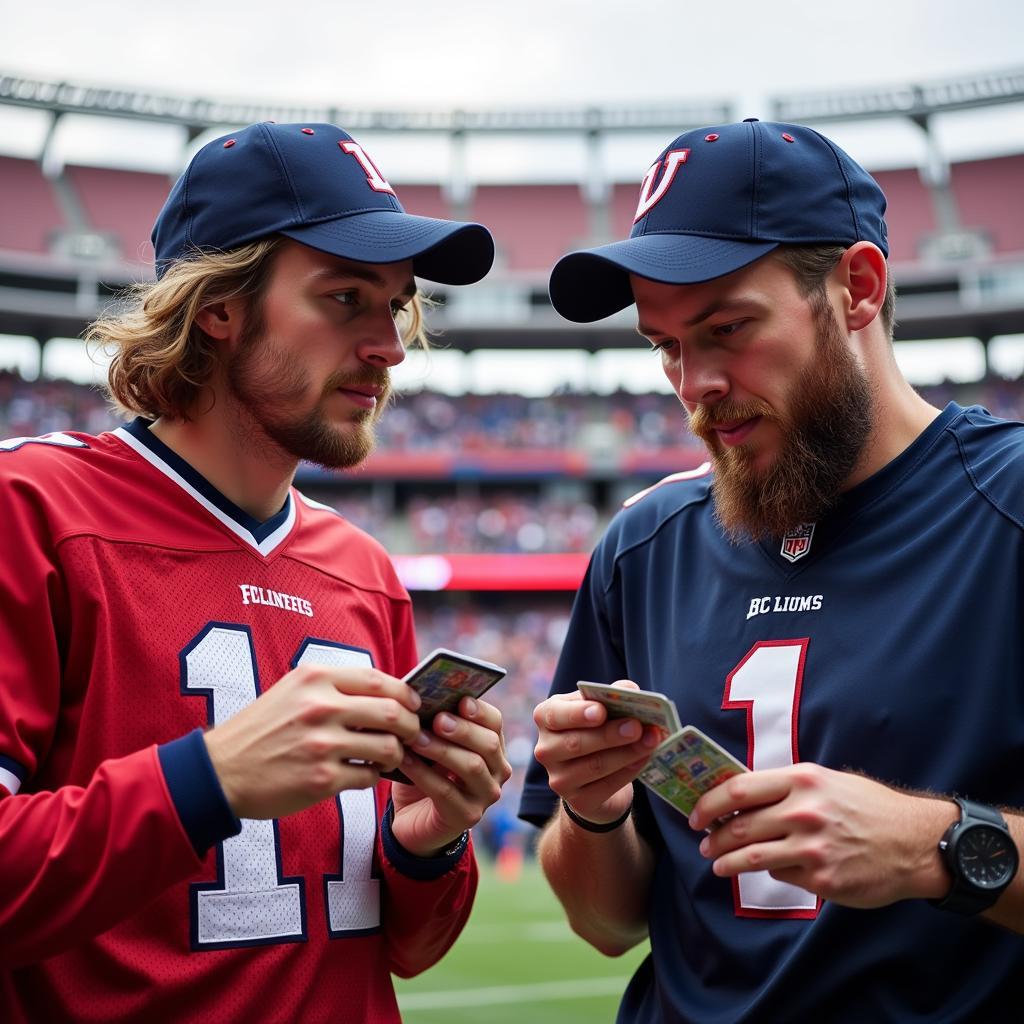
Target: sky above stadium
468,52
537,53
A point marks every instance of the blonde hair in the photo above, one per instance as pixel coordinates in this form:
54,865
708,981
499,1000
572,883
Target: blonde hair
162,359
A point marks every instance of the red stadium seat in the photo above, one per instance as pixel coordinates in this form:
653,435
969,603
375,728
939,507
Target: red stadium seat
123,204
988,193
29,213
533,225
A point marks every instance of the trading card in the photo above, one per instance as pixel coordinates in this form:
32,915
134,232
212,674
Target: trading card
650,708
686,766
442,679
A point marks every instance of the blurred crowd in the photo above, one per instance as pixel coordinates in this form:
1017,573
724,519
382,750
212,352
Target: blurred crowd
473,423
438,516
429,422
499,522
503,522
43,406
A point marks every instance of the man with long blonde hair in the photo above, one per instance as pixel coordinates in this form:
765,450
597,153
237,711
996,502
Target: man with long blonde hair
199,689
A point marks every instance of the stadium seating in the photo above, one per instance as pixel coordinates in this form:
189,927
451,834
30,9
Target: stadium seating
533,224
121,204
988,193
29,212
910,213
424,201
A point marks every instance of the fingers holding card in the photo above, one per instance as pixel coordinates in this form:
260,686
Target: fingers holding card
687,763
653,709
442,679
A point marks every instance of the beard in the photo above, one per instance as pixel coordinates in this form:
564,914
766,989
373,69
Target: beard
824,430
265,383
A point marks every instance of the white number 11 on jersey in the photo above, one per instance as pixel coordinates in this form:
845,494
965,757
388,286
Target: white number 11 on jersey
252,903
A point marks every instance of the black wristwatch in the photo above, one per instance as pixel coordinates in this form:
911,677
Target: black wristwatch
981,857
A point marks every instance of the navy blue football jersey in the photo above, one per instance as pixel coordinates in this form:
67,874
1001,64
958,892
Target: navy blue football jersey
887,638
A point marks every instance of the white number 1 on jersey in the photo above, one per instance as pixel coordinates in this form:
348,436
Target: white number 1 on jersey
766,684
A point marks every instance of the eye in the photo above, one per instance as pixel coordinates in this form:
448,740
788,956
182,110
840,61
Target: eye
727,330
398,307
667,345
346,298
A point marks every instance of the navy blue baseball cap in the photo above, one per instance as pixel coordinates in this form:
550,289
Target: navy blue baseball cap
313,183
717,199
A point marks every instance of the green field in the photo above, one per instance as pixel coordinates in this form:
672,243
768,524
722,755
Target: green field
517,960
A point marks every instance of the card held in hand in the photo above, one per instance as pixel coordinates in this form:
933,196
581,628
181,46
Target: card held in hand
686,763
653,709
444,677
686,766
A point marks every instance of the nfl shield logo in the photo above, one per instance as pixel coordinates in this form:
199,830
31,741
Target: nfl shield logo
797,542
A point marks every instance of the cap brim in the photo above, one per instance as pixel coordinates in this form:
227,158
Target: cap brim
446,251
594,283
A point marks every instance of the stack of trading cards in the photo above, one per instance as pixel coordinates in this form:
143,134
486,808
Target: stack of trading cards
686,764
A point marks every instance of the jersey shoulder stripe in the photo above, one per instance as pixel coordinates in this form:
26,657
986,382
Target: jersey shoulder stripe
673,478
641,520
56,439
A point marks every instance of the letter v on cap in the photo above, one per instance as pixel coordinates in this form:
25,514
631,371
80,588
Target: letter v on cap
648,199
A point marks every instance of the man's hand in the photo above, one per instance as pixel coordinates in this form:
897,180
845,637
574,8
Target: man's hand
839,835
317,731
450,796
591,760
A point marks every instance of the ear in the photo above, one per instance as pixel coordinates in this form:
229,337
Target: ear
862,275
220,320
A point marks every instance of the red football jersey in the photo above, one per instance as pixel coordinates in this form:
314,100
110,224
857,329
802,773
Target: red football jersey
136,605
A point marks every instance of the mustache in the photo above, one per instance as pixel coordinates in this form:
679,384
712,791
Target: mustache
703,417
368,378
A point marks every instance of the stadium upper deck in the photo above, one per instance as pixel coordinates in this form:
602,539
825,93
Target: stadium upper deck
71,236
533,224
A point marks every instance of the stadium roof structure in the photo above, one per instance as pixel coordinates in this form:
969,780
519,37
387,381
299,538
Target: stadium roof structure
915,100
198,114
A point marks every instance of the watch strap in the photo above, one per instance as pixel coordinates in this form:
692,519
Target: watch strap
982,812
964,898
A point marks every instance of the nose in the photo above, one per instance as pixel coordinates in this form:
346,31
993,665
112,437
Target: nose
382,345
701,379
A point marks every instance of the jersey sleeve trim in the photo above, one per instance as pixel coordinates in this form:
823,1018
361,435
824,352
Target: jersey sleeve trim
196,791
422,869
638,524
537,804
12,774
57,438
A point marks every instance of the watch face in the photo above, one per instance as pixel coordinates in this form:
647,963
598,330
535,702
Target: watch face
986,856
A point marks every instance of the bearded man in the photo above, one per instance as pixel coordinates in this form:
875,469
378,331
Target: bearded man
835,598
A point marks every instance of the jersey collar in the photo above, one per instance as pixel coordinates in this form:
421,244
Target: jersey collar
263,537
